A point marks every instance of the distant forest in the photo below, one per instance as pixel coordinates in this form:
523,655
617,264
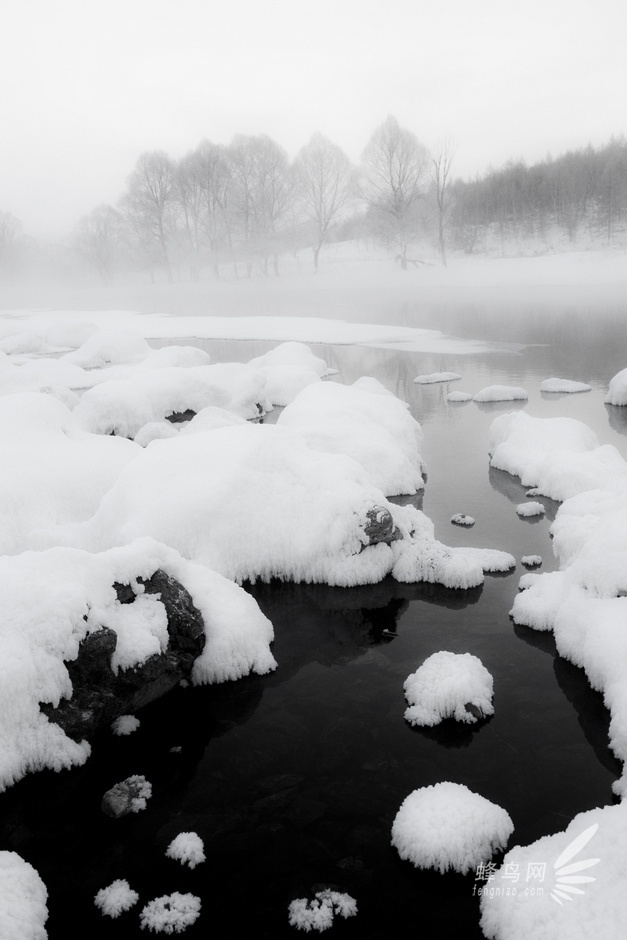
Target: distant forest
242,208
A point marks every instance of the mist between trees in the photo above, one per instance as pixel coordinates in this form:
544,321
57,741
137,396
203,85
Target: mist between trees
231,211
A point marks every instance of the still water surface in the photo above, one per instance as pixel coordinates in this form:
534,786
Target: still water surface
293,780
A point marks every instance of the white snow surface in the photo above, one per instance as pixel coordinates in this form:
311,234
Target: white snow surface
434,377
559,457
531,508
23,896
617,392
116,898
442,687
587,862
318,914
563,385
447,826
187,848
500,393
459,396
69,595
366,422
108,346
170,913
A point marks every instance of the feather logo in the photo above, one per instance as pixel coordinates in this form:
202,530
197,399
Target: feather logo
567,875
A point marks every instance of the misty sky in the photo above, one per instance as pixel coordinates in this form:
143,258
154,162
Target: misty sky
87,85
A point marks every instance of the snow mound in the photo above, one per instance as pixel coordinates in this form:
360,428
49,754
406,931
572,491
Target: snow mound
125,725
563,385
108,346
171,913
434,377
318,914
500,393
532,561
211,418
459,396
365,422
52,472
448,685
187,848
116,898
558,457
530,509
447,826
460,518
155,431
23,896
293,354
288,369
617,392
24,344
124,406
574,883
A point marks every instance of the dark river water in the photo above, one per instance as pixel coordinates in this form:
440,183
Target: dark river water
293,780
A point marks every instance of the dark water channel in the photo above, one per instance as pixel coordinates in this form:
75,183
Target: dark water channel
293,780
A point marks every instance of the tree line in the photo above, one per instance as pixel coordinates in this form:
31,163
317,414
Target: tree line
579,195
238,208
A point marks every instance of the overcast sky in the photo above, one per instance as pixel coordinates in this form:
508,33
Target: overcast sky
87,85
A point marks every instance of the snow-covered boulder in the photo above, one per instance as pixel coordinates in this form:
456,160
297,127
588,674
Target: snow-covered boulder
116,898
559,457
570,884
128,796
532,508
170,913
447,826
318,913
448,685
617,392
434,377
565,386
187,848
52,601
500,393
122,407
367,423
108,346
288,369
23,896
459,396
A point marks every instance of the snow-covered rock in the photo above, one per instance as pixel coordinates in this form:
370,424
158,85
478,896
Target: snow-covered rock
318,914
23,896
447,826
460,518
531,508
187,848
563,385
108,346
116,898
365,422
500,393
434,377
617,392
448,685
171,913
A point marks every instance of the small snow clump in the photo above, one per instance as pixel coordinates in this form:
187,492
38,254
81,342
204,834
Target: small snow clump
500,393
125,724
448,826
530,509
318,914
448,685
434,377
116,898
532,561
187,848
171,913
460,518
459,396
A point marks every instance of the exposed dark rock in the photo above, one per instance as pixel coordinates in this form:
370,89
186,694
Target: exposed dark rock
475,710
380,526
177,417
100,696
126,797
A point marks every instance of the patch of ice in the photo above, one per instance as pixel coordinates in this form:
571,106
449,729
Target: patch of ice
187,848
445,686
116,898
447,826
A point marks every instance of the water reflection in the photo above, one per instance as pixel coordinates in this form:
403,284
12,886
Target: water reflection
617,417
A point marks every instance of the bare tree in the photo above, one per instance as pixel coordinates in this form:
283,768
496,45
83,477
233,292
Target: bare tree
149,204
441,167
323,178
395,167
98,237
